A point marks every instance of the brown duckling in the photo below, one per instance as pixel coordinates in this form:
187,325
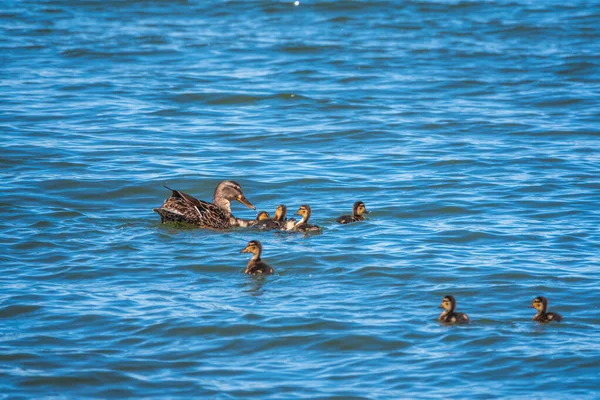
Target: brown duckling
303,226
541,305
279,219
280,213
263,216
449,316
358,209
182,207
256,265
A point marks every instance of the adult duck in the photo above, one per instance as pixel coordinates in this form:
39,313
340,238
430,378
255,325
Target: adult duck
182,207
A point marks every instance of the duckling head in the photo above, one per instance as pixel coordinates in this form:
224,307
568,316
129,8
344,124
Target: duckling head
263,215
448,303
254,247
540,304
304,211
280,213
359,208
228,191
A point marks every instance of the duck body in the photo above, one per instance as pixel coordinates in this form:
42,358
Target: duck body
358,209
348,219
544,318
449,316
256,266
454,318
540,303
181,207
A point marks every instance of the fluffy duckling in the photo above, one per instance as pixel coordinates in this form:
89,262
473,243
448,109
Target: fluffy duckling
256,265
303,226
281,217
280,213
449,316
263,216
541,305
277,222
182,207
358,209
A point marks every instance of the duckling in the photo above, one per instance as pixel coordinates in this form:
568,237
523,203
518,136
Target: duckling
182,207
541,305
358,209
256,265
280,213
281,217
303,226
448,316
263,216
278,220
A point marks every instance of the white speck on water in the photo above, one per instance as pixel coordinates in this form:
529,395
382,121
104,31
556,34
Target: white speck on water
296,3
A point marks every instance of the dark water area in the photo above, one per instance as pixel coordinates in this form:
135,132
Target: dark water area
471,130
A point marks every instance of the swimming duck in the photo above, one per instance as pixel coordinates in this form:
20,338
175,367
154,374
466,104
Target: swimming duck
448,316
256,265
358,209
541,305
277,222
182,207
263,216
280,213
303,226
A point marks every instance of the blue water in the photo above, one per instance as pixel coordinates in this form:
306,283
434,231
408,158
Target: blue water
471,130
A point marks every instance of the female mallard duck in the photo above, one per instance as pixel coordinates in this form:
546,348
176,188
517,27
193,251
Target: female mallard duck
182,207
303,226
448,316
256,265
541,305
358,209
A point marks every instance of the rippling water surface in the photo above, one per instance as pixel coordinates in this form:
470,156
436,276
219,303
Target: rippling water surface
471,130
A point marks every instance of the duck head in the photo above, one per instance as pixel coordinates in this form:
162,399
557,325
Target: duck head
254,247
226,192
540,304
359,208
448,304
262,216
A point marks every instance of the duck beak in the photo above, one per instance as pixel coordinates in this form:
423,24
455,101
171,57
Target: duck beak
366,211
244,250
440,306
242,199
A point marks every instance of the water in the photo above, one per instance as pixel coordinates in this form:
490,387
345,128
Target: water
470,129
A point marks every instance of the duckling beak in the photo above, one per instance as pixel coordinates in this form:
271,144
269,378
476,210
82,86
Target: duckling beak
245,250
366,211
242,199
440,306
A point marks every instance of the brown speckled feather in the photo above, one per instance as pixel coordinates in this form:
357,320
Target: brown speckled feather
182,207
